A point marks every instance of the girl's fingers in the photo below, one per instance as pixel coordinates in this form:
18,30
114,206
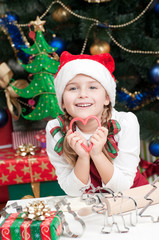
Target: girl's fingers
72,140
69,132
95,137
93,140
75,139
102,132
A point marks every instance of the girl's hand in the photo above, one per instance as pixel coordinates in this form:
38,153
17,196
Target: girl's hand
74,140
98,139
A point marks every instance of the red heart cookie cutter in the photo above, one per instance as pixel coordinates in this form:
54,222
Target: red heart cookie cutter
84,121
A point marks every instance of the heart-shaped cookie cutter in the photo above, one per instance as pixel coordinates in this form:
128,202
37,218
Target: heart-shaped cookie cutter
84,121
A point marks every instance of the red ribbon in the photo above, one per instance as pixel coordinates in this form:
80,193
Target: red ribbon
151,168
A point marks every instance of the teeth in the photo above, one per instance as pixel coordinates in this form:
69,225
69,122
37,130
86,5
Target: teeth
84,105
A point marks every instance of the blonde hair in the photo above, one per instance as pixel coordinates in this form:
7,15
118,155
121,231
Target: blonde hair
69,154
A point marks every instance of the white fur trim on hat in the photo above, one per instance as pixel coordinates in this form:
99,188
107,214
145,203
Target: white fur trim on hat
87,67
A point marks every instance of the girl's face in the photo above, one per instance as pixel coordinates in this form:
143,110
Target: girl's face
84,96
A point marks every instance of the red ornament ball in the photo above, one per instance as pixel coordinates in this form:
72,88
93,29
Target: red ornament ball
31,102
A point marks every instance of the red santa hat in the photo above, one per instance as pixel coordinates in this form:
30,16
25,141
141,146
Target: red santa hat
99,67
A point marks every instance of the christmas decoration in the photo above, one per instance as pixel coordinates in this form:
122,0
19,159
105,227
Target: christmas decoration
38,24
154,148
42,68
99,47
12,17
149,168
61,14
59,44
24,150
156,8
154,73
96,1
11,97
31,102
14,226
9,26
137,100
3,117
37,210
5,75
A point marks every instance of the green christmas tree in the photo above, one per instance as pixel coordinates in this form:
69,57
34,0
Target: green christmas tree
42,70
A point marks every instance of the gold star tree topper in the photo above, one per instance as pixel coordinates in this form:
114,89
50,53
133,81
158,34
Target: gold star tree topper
38,24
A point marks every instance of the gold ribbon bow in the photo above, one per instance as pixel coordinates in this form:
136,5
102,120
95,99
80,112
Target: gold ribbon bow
26,149
37,210
5,76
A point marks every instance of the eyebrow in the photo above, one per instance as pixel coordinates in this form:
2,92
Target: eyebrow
90,82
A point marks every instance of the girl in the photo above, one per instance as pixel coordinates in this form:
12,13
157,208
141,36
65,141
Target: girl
85,86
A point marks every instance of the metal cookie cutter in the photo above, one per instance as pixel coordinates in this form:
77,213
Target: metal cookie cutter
65,223
4,212
111,221
150,201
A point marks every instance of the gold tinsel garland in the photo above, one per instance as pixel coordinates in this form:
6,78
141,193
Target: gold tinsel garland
97,1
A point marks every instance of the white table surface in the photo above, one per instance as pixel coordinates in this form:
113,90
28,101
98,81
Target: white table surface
145,229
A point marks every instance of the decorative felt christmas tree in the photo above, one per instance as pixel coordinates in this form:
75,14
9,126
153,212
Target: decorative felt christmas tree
42,69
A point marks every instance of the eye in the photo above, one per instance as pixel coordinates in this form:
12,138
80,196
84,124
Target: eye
73,88
93,87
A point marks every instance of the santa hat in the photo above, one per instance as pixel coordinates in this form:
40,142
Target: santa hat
99,67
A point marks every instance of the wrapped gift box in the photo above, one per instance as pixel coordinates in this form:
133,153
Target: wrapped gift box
41,137
19,138
29,175
16,169
15,227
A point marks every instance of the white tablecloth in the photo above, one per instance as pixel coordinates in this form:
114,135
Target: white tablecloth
145,229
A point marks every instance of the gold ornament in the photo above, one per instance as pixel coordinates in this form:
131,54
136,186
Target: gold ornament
38,24
99,47
61,15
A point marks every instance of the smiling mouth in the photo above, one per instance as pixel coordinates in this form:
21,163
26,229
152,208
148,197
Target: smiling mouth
83,105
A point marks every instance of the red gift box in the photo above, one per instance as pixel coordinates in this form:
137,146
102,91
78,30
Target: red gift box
16,169
29,175
15,227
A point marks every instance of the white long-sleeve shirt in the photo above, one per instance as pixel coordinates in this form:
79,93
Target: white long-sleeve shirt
125,164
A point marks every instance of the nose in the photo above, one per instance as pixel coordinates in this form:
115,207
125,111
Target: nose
83,93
